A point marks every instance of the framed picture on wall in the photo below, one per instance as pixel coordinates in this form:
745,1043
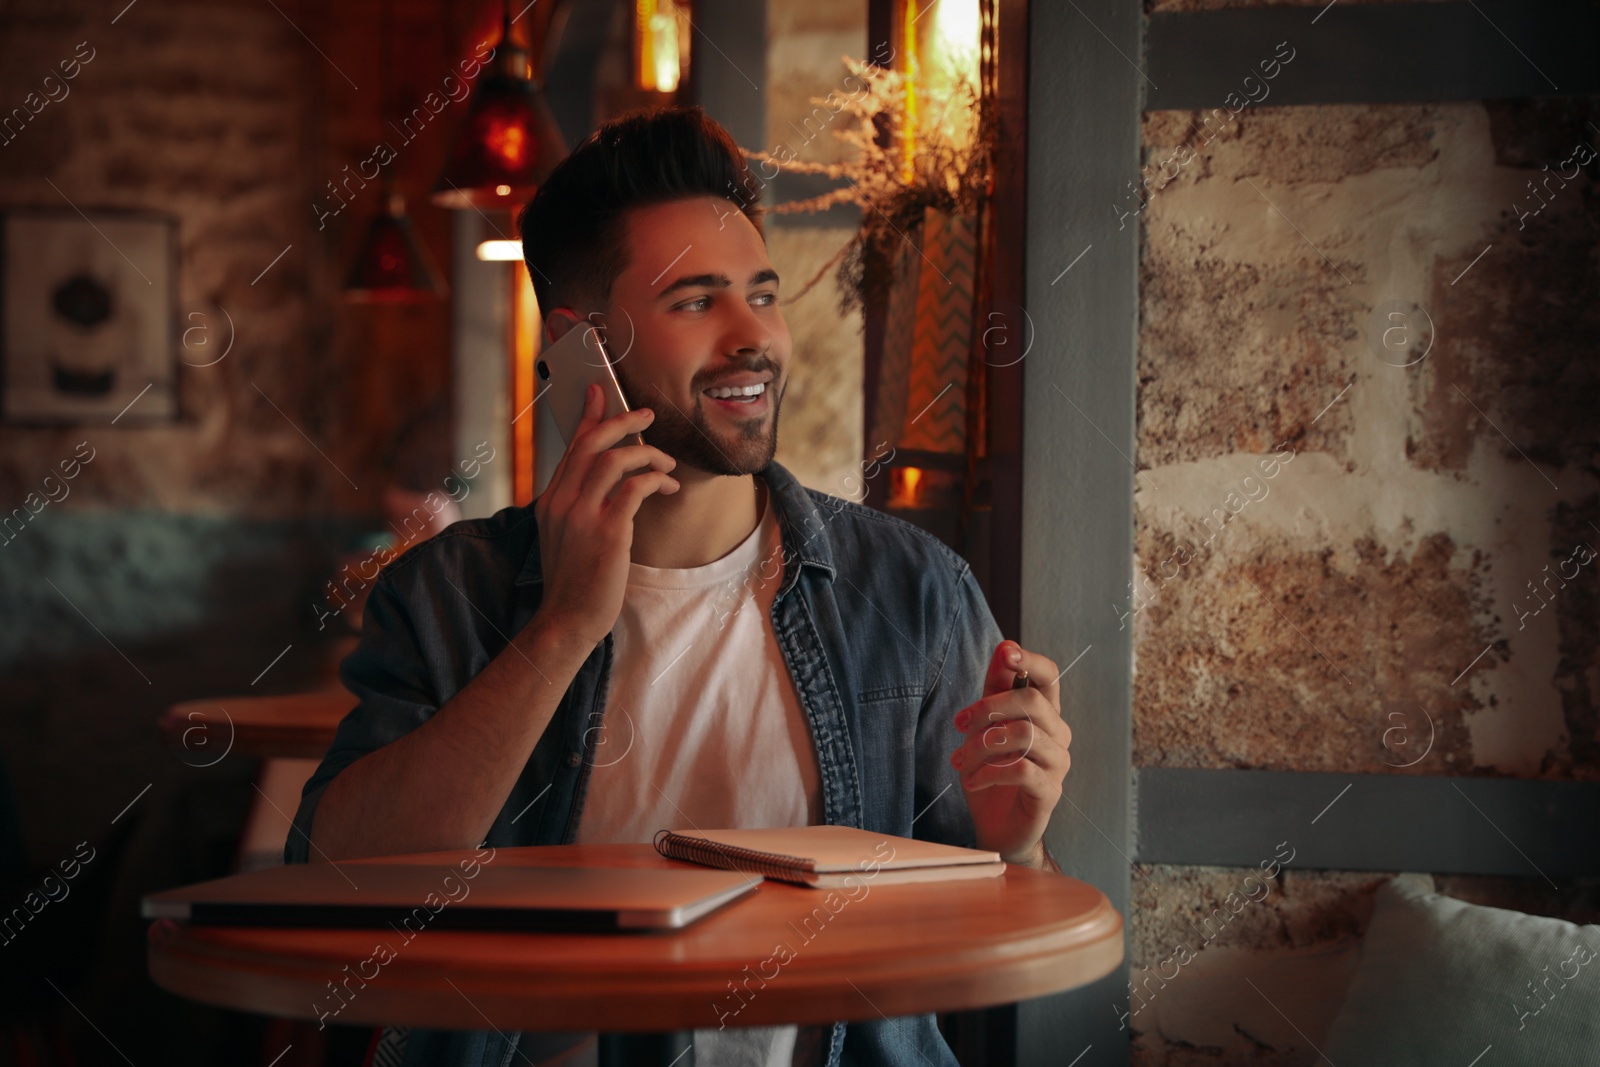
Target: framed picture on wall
87,316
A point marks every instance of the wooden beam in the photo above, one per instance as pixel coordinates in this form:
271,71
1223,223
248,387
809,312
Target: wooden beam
1002,350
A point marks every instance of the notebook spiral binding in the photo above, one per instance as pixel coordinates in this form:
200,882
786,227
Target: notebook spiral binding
730,857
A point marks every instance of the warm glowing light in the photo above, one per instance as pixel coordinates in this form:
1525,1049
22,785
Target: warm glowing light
912,476
500,251
903,483
525,325
508,140
662,43
502,190
908,140
942,48
954,37
665,31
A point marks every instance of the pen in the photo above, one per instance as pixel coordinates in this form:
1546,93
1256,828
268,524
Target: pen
1020,681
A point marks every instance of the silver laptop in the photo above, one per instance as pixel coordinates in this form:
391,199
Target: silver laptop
581,899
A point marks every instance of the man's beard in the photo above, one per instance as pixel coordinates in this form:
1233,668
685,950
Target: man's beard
688,436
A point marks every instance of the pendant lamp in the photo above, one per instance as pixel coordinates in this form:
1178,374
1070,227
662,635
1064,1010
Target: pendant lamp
393,266
509,141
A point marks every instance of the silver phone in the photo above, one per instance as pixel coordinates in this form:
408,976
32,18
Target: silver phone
565,371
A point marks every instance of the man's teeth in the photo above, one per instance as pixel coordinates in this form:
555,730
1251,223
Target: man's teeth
737,390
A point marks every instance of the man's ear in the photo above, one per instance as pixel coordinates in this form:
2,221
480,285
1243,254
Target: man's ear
559,322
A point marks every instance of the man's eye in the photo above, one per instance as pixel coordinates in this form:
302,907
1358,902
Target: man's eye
700,304
765,299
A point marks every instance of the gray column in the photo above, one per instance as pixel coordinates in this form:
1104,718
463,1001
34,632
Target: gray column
1077,523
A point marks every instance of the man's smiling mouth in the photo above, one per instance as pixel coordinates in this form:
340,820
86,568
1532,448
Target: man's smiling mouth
744,394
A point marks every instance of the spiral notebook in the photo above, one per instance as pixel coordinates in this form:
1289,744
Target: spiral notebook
828,857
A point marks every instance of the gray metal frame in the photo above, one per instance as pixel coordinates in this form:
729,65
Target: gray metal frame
1077,513
1370,822
729,70
1376,53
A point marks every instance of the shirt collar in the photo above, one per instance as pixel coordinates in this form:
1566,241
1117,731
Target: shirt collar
802,524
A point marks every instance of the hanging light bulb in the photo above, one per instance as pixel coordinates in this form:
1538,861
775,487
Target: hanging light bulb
509,142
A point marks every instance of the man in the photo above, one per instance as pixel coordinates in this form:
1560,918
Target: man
677,633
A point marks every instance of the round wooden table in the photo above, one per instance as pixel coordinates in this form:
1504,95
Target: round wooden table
287,725
893,950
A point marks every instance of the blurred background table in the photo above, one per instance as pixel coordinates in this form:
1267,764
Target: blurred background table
281,726
288,732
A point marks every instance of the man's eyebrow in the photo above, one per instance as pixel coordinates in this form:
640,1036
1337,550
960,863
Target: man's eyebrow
715,281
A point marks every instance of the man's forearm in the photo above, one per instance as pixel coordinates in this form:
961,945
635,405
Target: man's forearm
441,785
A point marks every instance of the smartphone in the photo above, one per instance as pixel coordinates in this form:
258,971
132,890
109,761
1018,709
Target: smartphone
565,371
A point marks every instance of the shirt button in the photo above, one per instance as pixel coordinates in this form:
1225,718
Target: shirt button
574,758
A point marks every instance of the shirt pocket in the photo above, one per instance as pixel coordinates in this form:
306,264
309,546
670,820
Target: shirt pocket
888,716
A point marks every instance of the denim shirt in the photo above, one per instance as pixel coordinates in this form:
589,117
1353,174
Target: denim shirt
886,636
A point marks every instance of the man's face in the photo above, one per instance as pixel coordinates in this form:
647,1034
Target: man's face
694,312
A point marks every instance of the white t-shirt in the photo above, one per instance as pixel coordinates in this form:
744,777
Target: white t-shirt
703,729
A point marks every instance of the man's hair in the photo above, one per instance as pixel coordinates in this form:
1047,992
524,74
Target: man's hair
573,231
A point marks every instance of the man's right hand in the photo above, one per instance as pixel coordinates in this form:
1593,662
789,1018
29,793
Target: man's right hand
441,785
585,518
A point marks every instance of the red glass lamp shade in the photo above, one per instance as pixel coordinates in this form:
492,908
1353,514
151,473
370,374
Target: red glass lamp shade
394,266
508,144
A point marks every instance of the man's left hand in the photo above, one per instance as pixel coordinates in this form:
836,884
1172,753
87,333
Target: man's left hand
1015,755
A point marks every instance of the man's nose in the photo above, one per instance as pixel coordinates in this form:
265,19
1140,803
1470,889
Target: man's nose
746,332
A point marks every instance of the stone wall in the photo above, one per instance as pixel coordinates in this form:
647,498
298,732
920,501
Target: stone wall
1342,544
820,436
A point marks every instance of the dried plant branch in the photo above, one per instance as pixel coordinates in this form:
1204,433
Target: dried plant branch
949,170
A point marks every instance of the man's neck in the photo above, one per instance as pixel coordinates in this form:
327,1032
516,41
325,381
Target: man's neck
700,523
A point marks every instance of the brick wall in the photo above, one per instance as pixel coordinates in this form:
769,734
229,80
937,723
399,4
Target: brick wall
185,560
